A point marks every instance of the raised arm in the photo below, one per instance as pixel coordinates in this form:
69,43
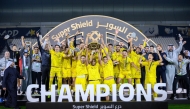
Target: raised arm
99,57
87,36
75,38
114,43
86,56
178,50
107,55
44,44
49,45
38,40
102,39
58,41
66,40
116,32
131,44
145,42
80,52
91,56
8,47
22,41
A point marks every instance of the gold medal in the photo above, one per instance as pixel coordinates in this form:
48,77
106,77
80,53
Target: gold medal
150,67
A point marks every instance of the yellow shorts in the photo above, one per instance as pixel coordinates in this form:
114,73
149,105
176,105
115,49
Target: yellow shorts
125,74
116,72
109,82
81,81
95,82
116,75
73,72
101,80
151,81
66,72
135,73
55,71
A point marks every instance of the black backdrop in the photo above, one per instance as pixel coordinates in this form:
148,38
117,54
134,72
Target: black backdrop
62,10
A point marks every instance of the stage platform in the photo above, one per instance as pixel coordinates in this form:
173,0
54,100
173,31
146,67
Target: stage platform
22,101
99,105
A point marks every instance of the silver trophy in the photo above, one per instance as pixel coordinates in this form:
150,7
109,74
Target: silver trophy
6,36
28,43
133,35
179,35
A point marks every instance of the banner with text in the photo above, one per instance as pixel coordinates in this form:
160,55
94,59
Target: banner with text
18,32
174,30
148,30
94,26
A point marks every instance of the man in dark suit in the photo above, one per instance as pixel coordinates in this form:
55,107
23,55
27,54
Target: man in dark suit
15,55
9,83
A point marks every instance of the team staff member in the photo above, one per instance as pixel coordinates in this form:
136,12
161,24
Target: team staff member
46,63
170,68
36,69
160,70
26,72
10,83
107,68
150,67
15,55
3,62
181,73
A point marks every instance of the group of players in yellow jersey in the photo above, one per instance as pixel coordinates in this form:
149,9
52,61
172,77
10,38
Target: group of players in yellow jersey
107,65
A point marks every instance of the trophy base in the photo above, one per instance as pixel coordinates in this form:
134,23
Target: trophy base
94,46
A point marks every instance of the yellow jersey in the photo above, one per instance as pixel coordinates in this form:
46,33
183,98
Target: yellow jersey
66,63
106,49
150,68
122,49
83,53
71,45
125,64
115,57
81,68
135,58
93,72
107,69
101,71
74,63
56,58
95,56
